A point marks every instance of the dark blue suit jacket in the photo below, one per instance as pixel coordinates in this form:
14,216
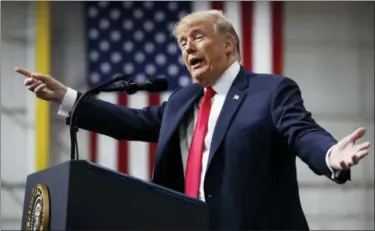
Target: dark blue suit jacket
251,180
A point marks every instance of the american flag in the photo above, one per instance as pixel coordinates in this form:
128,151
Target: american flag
135,38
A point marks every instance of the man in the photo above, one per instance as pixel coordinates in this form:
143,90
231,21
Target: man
230,139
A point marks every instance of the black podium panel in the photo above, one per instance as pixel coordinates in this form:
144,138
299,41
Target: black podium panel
83,195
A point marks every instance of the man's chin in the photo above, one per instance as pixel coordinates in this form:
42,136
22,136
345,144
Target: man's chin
204,76
199,75
201,80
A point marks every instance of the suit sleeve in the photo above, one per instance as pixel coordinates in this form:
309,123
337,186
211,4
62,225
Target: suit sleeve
303,135
118,121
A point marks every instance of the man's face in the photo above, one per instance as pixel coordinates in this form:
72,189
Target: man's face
203,51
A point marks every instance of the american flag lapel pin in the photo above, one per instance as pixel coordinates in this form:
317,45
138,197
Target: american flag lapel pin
236,97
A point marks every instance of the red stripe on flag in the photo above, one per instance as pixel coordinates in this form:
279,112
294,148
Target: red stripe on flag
247,34
93,147
93,139
153,99
217,5
277,37
122,155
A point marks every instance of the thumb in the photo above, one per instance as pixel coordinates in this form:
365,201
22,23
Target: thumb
358,133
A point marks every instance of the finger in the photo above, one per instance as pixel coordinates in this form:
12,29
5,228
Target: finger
40,77
343,165
40,88
33,86
357,157
357,134
363,146
362,153
23,71
28,81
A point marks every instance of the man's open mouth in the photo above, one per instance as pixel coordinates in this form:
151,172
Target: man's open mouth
195,62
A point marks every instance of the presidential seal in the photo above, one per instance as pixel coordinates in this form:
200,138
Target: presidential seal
38,211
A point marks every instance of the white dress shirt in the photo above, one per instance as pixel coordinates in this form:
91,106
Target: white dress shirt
221,88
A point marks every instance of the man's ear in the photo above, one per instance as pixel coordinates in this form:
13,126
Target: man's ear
230,45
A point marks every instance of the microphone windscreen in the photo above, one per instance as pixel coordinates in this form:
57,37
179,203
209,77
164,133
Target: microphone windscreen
157,85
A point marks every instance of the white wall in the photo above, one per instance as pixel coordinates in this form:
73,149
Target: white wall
17,110
330,53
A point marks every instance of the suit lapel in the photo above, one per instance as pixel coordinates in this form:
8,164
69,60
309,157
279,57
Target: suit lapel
234,98
180,112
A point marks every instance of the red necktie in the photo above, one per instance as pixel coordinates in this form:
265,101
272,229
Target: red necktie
194,162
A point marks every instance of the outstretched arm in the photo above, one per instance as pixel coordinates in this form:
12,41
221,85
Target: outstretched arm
96,115
313,144
114,120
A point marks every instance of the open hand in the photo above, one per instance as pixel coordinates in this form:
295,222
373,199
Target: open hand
44,86
347,153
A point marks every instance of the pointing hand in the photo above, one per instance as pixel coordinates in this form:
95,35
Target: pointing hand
44,86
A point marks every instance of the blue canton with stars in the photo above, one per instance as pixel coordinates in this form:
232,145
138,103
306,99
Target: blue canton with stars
134,38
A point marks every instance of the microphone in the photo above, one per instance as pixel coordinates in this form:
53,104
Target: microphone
130,86
73,116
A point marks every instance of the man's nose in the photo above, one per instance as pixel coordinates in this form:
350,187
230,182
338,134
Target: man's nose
190,47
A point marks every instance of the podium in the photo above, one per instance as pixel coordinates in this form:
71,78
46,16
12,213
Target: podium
80,195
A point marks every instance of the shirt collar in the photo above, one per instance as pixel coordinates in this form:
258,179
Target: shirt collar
225,81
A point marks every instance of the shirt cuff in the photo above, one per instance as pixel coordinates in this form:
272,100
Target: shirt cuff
334,173
67,103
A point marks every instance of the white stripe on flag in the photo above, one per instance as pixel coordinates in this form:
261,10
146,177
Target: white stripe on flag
164,96
138,155
262,45
107,146
233,13
200,5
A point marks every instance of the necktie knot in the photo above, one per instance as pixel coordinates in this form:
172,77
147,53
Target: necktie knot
209,93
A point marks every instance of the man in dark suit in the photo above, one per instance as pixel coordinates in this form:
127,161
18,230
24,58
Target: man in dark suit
230,139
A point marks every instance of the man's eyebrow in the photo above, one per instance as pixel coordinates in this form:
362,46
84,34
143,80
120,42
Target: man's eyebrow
196,30
181,38
190,32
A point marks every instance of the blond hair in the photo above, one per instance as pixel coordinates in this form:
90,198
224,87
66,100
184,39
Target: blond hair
216,17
